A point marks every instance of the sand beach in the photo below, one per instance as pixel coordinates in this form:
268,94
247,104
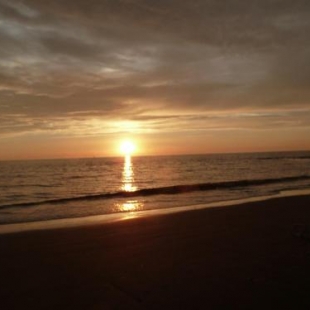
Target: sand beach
250,256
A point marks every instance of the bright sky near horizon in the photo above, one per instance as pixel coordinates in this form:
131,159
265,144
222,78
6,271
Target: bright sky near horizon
176,77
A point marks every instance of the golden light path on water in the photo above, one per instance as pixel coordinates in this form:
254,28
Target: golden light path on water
128,185
128,175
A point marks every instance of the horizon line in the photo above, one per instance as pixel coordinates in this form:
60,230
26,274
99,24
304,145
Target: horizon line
158,155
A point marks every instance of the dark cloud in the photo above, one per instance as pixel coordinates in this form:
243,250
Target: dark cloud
147,60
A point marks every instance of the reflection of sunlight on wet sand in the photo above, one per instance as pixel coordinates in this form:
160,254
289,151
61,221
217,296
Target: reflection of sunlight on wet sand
128,186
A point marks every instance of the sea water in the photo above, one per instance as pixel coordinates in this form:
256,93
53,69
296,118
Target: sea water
41,190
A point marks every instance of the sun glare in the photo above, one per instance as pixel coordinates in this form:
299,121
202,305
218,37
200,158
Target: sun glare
127,147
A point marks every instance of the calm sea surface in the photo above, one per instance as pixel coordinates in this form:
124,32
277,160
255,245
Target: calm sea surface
52,189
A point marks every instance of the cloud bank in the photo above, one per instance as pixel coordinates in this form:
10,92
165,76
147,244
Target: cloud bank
87,67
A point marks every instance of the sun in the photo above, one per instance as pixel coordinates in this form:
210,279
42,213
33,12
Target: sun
127,147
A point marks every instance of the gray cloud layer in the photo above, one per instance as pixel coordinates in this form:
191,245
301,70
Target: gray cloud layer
142,60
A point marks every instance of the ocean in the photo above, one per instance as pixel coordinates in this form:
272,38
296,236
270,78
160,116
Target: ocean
42,190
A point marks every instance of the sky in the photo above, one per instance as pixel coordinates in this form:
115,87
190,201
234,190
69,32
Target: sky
174,76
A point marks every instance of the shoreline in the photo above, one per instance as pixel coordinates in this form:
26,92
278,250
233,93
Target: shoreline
117,217
249,256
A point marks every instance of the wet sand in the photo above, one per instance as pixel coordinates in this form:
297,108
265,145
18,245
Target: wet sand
250,256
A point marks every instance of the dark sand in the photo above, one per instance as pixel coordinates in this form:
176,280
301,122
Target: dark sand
252,256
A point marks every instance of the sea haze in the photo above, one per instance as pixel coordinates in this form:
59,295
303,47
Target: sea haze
68,188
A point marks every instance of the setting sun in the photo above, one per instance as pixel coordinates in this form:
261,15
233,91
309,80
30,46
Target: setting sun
127,147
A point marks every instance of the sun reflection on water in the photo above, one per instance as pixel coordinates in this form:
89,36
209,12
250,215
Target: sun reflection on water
130,205
128,176
128,185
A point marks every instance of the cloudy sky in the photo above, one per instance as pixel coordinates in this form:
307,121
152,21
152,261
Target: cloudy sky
176,76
